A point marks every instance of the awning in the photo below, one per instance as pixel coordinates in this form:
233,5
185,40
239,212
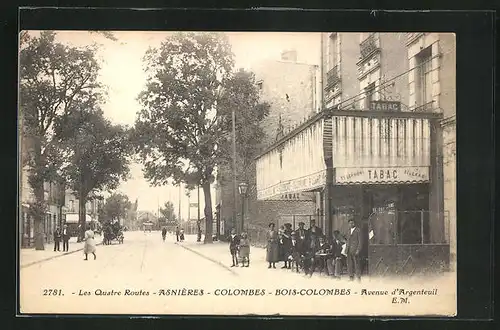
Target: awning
74,217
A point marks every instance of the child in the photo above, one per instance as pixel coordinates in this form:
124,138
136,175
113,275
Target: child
234,242
244,248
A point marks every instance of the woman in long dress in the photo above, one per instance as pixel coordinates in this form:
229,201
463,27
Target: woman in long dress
89,246
245,250
272,255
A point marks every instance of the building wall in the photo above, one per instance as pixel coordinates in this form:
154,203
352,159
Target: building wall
447,74
349,56
398,57
423,41
291,90
393,62
72,205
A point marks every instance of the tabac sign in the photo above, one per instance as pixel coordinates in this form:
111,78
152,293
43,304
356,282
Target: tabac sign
385,106
381,175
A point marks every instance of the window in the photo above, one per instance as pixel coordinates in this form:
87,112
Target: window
259,85
72,206
369,95
424,78
332,51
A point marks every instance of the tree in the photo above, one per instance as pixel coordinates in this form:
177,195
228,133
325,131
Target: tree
116,207
167,213
186,111
243,97
98,154
179,128
54,79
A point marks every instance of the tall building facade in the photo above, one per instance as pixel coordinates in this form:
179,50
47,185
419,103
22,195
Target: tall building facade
434,82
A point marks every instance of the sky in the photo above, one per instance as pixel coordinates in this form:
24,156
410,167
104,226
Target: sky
122,73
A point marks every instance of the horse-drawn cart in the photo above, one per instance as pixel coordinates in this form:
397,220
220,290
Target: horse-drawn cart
113,233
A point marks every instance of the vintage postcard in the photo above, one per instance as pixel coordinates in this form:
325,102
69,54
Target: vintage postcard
237,173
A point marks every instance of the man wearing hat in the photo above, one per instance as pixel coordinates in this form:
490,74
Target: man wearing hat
65,237
353,250
295,251
286,241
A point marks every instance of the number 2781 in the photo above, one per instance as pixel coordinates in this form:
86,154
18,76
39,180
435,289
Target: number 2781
52,292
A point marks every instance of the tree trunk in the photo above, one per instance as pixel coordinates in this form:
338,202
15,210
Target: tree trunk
208,213
39,205
81,215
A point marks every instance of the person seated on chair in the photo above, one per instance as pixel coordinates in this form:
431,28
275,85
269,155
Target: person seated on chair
335,263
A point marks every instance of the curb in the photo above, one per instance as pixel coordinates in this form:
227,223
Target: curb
208,258
53,257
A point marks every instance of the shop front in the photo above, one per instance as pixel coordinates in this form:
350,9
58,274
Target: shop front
386,178
382,169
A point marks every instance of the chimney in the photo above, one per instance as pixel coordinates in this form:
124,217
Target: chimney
289,55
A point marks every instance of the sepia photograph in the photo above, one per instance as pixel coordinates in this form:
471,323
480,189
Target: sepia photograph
237,173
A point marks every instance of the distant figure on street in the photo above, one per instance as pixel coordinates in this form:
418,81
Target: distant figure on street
353,250
198,238
79,237
65,238
57,239
181,235
164,233
234,242
89,246
272,253
244,249
177,232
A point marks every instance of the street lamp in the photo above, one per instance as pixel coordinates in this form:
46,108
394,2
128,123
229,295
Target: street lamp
242,188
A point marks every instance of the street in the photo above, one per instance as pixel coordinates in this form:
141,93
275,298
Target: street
147,276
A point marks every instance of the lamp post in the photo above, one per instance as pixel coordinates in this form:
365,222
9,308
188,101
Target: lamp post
242,188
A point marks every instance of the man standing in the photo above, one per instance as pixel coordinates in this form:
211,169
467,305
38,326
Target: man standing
57,239
164,233
354,245
65,237
314,230
177,233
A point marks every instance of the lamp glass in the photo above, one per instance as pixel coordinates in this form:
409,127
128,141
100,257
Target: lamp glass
243,188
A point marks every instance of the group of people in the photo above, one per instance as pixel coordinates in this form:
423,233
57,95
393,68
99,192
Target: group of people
61,235
309,248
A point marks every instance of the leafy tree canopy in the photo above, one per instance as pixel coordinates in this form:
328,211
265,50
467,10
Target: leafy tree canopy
55,80
187,103
98,151
116,207
167,213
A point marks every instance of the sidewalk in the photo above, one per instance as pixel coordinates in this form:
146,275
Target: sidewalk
30,256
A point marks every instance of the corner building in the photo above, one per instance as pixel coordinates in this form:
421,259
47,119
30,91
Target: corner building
374,153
